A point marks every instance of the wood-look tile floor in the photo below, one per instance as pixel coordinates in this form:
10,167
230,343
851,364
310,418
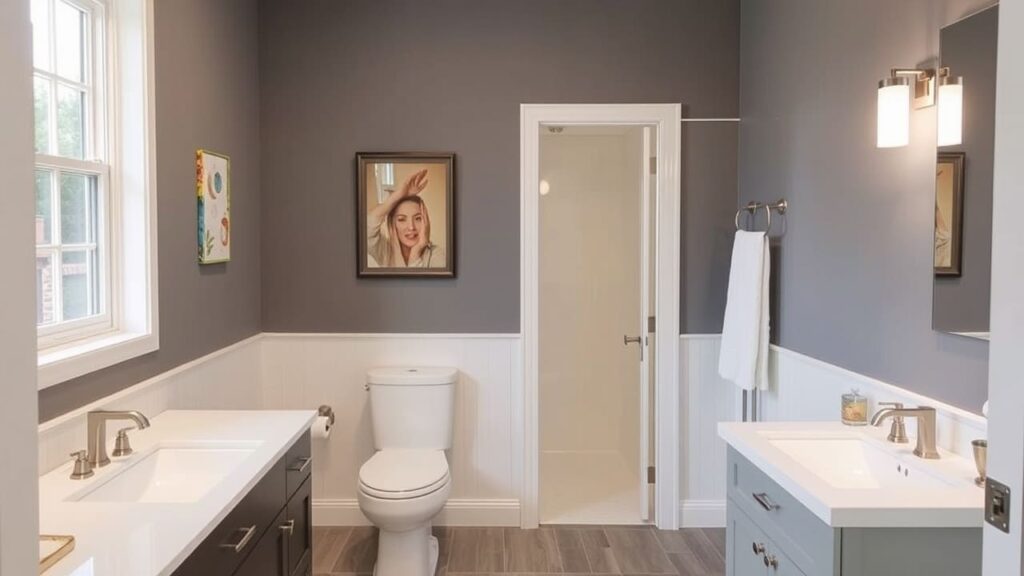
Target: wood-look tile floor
627,550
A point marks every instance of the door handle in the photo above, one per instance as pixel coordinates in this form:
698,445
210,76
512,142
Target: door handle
627,340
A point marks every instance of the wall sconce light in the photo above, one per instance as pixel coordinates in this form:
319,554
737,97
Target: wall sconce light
893,112
894,94
951,109
906,85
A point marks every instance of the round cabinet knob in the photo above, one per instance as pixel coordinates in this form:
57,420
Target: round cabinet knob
758,548
771,561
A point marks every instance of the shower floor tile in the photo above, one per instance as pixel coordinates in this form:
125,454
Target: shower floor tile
588,488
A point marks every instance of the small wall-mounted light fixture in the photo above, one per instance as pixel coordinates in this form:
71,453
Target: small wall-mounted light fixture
950,124
894,95
893,112
918,86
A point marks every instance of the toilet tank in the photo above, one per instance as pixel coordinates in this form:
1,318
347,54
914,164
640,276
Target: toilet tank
412,407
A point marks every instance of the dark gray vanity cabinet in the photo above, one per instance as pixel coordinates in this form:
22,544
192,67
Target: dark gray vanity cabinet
270,532
770,533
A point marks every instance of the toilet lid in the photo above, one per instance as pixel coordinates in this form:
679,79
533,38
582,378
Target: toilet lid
404,473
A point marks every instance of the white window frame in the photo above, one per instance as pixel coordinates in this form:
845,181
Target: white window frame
124,109
95,140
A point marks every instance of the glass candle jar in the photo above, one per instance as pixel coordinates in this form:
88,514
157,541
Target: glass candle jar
855,409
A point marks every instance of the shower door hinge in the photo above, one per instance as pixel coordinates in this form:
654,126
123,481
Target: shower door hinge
654,165
650,324
651,476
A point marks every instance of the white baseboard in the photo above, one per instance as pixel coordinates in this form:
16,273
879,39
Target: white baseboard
457,512
702,514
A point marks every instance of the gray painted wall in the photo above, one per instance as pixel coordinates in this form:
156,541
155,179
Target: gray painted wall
854,268
364,75
961,304
207,97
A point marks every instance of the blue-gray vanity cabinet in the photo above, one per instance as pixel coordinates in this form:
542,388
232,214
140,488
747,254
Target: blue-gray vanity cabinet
770,533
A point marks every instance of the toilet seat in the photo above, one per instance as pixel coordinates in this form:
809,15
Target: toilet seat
404,474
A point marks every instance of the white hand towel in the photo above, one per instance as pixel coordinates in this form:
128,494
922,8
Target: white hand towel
744,354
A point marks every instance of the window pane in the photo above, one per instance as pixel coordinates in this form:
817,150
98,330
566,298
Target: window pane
41,34
42,112
44,208
44,290
70,24
70,122
77,208
78,284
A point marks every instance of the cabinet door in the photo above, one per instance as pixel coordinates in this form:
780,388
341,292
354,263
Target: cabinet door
270,556
300,530
746,545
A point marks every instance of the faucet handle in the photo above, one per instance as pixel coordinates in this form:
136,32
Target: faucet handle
898,429
122,445
83,469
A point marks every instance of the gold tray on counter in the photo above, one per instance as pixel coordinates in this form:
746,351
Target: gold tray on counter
52,549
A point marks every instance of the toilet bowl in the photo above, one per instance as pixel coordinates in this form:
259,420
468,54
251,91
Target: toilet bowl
407,482
400,491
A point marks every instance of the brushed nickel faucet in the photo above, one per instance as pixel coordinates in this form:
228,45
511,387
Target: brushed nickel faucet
96,425
925,427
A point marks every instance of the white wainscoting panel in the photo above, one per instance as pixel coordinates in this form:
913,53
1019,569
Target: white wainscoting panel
807,389
307,370
227,379
282,371
704,401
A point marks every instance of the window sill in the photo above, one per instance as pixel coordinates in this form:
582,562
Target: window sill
62,363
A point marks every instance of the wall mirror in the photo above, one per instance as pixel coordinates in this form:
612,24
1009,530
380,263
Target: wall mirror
963,181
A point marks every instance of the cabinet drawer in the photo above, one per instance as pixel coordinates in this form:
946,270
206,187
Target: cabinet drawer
751,552
299,459
798,533
236,536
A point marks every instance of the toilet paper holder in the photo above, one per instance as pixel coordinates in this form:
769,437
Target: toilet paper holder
327,412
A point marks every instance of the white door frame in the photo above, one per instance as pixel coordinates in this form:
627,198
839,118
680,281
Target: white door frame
666,117
1004,553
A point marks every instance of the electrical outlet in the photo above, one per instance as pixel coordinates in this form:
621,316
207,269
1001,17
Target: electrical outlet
997,504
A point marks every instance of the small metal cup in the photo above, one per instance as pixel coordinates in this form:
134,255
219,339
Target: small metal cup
980,459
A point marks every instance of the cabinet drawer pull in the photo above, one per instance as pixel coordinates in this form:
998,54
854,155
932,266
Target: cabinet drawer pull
765,501
288,527
237,547
758,548
771,561
300,465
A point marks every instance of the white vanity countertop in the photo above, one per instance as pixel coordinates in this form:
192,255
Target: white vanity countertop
140,539
867,491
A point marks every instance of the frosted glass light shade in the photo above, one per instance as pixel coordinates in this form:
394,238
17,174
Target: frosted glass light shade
951,114
893,113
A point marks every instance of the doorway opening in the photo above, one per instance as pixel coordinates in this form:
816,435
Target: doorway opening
594,301
600,314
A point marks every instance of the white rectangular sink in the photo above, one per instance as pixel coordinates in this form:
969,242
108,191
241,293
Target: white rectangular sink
854,477
851,463
171,475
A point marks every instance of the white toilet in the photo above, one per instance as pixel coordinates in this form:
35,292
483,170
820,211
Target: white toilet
406,483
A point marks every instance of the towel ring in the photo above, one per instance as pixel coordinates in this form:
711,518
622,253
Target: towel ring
752,207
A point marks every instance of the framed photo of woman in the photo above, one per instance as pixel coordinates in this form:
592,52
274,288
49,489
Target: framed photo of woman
406,214
949,206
